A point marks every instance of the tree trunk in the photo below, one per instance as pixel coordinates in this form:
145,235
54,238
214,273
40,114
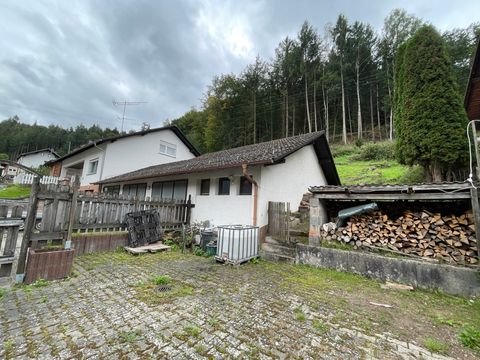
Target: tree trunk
378,118
371,114
391,104
344,116
254,117
435,172
286,117
293,118
306,105
359,112
315,102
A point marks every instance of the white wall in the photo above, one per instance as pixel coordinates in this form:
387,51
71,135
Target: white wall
137,152
287,182
37,159
85,157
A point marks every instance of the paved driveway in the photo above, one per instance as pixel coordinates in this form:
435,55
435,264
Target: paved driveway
251,311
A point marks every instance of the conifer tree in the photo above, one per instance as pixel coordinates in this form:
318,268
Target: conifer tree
431,118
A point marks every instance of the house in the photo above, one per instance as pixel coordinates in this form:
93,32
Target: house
7,169
472,94
37,158
234,186
105,158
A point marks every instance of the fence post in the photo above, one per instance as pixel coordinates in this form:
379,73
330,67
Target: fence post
71,216
189,210
476,216
27,232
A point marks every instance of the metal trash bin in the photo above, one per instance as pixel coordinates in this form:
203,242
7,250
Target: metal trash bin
206,236
211,248
237,243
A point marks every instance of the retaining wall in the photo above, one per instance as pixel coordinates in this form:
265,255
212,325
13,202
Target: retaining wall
94,242
455,280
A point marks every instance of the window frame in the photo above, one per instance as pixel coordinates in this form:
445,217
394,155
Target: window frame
167,146
89,169
160,184
219,186
202,182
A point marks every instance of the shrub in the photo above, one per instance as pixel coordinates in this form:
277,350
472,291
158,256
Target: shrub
470,337
376,151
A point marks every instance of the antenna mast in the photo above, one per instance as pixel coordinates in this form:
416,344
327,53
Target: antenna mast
124,104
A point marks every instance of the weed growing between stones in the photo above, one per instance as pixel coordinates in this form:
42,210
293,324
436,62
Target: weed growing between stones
8,346
435,346
130,336
320,326
299,314
192,330
162,280
201,350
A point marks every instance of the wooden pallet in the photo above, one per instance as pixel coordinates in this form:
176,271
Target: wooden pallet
153,248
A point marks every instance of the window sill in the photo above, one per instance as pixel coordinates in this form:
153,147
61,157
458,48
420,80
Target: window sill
172,156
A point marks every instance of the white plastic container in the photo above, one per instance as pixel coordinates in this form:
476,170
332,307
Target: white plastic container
237,243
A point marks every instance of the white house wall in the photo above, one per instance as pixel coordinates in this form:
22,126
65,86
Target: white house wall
36,160
85,157
288,181
137,152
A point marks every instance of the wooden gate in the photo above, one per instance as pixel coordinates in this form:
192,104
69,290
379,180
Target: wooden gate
278,221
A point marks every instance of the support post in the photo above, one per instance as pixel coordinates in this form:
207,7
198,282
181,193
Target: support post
315,222
476,216
477,155
67,243
28,230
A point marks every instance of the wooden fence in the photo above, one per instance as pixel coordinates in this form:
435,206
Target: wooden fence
278,220
55,211
10,236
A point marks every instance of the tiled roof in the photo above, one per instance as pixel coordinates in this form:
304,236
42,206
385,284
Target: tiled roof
269,152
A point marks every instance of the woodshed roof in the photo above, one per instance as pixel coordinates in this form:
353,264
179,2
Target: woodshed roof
266,153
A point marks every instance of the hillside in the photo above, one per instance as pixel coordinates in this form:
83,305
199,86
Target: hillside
372,163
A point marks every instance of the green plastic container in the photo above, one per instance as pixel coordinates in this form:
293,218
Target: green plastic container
211,249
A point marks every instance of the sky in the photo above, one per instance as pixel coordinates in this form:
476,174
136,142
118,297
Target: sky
67,62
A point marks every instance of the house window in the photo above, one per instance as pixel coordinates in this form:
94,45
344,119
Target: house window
245,186
92,167
168,149
169,190
135,190
205,187
113,190
224,186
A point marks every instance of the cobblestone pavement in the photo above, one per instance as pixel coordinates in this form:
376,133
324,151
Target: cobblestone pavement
234,312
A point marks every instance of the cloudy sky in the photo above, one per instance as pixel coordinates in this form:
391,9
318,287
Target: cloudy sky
64,62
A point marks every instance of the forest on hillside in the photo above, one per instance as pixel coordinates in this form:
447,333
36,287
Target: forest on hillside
340,80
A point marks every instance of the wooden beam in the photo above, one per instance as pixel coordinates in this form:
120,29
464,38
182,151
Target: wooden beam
476,216
414,196
67,243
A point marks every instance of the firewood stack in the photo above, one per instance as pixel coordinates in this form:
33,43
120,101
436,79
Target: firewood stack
451,238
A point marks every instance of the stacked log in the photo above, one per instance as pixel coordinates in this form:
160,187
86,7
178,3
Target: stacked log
450,238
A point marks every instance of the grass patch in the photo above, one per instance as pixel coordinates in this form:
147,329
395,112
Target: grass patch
201,350
130,336
149,293
435,346
299,314
470,337
15,192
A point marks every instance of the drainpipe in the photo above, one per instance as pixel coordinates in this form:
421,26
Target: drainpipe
255,193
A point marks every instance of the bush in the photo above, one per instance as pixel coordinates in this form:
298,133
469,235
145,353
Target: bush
470,337
162,280
342,150
376,151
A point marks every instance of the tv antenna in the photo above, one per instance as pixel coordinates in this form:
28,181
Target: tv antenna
125,104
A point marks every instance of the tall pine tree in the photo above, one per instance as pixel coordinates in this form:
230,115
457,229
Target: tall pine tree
431,119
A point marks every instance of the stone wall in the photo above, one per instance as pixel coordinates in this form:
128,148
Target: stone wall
450,279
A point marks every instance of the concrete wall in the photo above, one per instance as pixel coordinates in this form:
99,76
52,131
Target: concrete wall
453,280
137,152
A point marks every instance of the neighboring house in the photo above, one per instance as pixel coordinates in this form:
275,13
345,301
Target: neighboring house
7,169
472,95
104,158
220,182
37,158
